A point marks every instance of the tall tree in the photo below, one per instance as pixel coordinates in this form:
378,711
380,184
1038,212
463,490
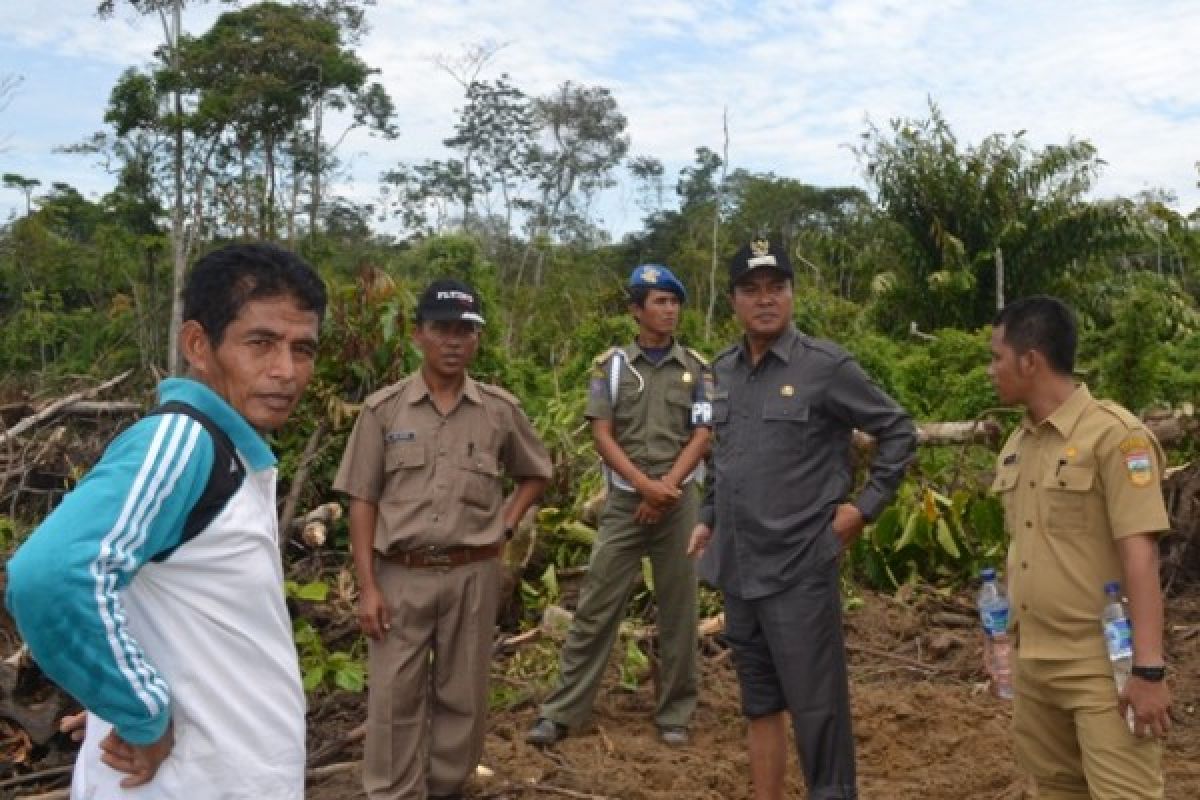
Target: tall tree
23,185
170,15
952,207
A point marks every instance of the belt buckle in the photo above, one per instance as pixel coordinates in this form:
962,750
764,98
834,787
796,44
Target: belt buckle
436,557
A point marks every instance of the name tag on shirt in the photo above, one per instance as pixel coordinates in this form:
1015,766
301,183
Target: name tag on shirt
400,436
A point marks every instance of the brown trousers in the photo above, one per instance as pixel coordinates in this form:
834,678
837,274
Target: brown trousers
1070,738
427,694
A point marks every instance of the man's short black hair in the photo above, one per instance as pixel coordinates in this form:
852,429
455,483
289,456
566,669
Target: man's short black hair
638,295
1041,323
224,280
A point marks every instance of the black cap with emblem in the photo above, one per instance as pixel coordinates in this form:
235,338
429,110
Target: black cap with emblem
759,254
448,299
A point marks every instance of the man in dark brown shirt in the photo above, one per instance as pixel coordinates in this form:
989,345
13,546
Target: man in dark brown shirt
428,522
777,515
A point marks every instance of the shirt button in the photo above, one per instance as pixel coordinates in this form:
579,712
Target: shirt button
435,517
1032,484
442,452
1028,524
1024,607
1024,565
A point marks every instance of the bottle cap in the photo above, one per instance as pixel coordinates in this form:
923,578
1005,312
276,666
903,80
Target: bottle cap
988,574
1112,587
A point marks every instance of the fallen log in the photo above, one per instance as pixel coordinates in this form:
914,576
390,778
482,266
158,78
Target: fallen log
58,405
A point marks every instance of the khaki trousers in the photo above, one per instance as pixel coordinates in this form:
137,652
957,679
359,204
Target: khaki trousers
615,563
427,694
1070,738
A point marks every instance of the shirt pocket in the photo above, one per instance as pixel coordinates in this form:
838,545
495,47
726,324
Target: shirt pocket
403,464
481,486
785,423
679,401
1003,486
1067,491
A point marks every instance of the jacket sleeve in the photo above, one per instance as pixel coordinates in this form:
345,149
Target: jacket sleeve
65,582
860,403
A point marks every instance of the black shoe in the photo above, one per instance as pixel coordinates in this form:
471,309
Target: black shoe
545,732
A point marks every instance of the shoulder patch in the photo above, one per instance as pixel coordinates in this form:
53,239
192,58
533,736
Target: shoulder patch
696,354
1139,466
605,356
377,398
503,394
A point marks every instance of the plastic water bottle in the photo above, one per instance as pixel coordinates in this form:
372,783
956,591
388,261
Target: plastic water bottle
997,648
1118,639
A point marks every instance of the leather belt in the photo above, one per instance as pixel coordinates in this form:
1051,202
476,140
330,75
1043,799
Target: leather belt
443,556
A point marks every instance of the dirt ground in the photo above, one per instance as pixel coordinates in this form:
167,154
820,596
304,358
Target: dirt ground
926,726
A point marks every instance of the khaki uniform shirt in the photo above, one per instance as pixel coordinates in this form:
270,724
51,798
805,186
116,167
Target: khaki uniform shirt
652,417
437,479
1072,485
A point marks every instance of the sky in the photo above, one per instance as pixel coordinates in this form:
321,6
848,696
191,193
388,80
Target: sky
800,80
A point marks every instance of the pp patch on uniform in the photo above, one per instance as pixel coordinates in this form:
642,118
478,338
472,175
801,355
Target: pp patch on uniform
1136,452
787,390
701,413
399,436
598,387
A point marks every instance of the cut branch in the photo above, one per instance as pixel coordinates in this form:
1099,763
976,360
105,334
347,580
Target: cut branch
58,405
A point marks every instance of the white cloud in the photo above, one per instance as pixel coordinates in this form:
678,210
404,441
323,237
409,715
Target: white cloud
798,76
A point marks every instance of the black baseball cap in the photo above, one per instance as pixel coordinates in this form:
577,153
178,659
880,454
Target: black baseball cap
447,299
758,254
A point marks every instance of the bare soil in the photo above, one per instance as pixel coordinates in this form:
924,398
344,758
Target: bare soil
926,726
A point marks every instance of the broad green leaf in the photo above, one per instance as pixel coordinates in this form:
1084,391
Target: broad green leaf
946,539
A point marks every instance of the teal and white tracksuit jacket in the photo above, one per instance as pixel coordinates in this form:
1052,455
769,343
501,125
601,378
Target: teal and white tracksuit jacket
201,639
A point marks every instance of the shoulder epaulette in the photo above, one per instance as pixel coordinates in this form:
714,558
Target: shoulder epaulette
696,354
605,356
1127,417
503,394
376,399
832,349
728,351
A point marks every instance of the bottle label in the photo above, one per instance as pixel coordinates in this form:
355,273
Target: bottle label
1118,637
995,619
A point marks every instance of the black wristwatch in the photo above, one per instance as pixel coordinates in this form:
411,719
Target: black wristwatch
1152,674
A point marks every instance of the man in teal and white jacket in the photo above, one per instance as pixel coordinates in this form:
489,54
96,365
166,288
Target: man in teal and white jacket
154,593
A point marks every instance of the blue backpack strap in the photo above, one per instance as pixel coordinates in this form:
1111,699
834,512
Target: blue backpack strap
224,479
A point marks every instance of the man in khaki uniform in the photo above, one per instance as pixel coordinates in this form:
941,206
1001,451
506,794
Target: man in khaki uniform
428,523
1079,480
650,411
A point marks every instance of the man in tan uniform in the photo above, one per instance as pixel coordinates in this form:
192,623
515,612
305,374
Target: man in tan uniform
1079,480
428,523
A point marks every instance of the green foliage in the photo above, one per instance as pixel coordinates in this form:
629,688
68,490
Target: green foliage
937,535
322,669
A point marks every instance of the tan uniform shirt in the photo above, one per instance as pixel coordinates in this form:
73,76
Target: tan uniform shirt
437,479
652,417
1071,486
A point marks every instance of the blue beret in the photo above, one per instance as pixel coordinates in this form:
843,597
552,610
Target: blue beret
656,276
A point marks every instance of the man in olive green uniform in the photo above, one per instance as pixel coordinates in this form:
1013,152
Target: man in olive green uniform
428,522
650,413
1080,483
